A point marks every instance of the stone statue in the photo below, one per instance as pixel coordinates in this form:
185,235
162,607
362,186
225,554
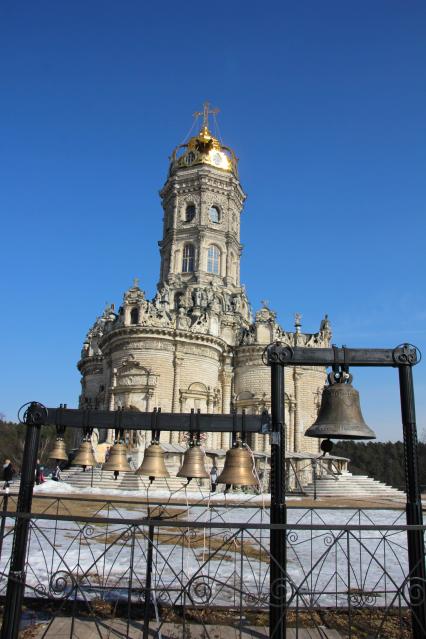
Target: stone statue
236,302
197,296
165,296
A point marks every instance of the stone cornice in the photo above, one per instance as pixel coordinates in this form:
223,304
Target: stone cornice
201,177
91,360
137,332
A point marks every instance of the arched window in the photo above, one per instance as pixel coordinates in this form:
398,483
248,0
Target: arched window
189,213
188,258
214,215
213,259
134,316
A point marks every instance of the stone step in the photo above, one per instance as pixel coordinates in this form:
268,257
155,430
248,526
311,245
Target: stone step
352,486
125,481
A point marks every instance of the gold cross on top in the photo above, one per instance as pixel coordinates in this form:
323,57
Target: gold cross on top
205,113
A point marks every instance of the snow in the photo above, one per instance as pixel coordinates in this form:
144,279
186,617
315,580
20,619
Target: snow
217,565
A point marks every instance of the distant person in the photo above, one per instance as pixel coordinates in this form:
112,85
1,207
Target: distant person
56,475
107,453
213,478
38,473
8,472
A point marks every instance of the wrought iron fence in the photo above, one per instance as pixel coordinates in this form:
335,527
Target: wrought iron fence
129,568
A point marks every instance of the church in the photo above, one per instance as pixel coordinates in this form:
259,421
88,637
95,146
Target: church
196,344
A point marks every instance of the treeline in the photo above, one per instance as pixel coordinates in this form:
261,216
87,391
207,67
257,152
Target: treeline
382,460
12,440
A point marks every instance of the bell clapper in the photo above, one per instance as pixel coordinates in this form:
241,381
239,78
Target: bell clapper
326,446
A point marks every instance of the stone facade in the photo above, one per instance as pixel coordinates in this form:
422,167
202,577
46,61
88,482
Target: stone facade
196,345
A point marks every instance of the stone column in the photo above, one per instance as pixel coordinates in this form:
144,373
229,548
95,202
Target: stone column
174,262
297,373
292,412
199,255
111,404
126,315
213,439
228,263
227,377
148,398
176,407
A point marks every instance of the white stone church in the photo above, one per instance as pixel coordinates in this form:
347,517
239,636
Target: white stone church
197,344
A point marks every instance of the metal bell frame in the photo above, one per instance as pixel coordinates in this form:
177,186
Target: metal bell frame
278,356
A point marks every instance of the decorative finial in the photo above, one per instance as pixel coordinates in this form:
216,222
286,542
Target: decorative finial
265,303
135,282
325,324
205,113
297,322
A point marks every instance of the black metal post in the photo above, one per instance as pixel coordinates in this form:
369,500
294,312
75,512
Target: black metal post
16,579
314,475
3,520
148,578
415,538
278,559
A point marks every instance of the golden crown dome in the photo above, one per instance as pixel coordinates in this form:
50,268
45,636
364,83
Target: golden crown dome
204,148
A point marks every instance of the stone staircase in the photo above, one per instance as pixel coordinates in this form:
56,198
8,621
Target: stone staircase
348,486
104,480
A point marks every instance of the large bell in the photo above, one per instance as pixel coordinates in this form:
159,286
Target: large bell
59,451
340,415
84,456
153,462
238,468
193,464
117,460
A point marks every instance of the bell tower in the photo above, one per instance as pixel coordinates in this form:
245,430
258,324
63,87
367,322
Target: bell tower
202,201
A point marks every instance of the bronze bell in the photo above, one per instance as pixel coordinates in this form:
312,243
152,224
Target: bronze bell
340,414
238,468
84,456
59,451
117,460
193,464
153,462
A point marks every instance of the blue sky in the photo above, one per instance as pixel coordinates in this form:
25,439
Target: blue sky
324,103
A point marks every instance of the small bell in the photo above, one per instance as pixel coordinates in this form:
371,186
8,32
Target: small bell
340,416
153,462
238,468
193,464
59,451
117,460
84,456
